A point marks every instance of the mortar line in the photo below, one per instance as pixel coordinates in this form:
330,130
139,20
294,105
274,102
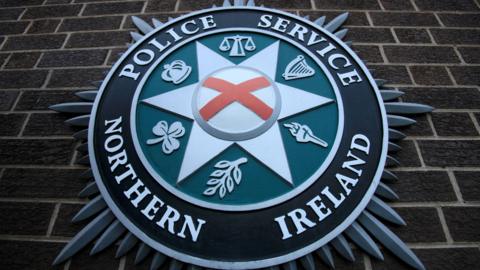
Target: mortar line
449,138
384,56
432,39
53,219
410,75
16,101
443,222
428,168
67,265
443,245
475,122
67,38
477,2
34,238
75,154
394,34
381,5
177,6
422,162
414,5
432,126
59,25
433,204
458,110
47,79
46,111
30,25
367,263
38,60
144,7
456,187
459,55
24,125
82,9
109,54
122,263
20,17
44,200
300,9
449,72
27,166
438,19
7,59
123,23
369,19
36,137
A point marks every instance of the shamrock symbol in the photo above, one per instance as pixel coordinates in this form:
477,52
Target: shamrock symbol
167,136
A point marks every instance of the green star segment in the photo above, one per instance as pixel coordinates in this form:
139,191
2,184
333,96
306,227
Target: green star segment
268,147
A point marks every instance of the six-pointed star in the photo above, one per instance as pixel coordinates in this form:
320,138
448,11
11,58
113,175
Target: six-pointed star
268,147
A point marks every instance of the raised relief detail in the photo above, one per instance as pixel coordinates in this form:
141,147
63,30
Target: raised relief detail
167,136
225,178
304,134
176,72
237,45
298,69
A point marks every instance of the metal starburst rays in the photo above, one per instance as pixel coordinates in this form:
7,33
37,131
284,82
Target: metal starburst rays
368,230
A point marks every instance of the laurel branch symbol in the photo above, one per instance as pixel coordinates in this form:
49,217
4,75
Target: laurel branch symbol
225,178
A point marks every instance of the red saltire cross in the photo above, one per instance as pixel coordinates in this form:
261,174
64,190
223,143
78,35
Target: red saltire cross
236,92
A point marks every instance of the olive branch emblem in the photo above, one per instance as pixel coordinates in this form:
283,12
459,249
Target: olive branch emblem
225,178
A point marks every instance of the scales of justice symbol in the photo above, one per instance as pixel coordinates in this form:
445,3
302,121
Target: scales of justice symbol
238,104
237,46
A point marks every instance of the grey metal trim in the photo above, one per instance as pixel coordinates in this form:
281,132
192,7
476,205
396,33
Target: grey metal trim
87,95
399,121
89,190
73,107
158,260
341,245
386,192
127,244
383,210
144,27
388,95
334,24
85,236
142,253
111,234
389,240
90,209
308,262
81,121
360,237
388,176
325,254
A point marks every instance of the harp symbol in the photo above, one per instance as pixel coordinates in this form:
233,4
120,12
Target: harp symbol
297,69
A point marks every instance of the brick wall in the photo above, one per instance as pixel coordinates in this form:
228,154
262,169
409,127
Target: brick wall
52,48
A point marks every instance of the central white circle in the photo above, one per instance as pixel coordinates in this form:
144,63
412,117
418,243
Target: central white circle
236,103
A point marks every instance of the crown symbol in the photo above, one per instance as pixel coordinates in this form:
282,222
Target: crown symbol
176,72
297,69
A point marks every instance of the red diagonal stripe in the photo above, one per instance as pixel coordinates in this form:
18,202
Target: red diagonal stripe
231,93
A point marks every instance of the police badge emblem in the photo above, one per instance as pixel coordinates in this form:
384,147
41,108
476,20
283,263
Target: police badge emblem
241,137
